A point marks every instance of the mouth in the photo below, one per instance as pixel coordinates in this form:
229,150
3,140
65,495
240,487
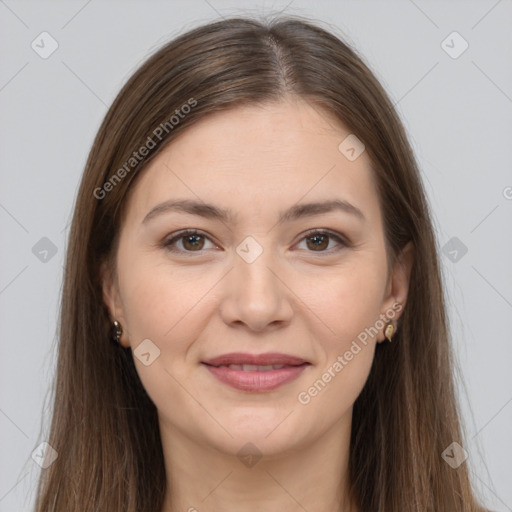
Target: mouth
271,359
256,373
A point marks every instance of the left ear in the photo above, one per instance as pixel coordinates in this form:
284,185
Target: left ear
398,284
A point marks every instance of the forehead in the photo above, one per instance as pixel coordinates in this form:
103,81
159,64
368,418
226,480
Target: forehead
257,159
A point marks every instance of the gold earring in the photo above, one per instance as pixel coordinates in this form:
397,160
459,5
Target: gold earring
389,331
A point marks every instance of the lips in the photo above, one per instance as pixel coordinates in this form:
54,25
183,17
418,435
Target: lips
256,373
247,362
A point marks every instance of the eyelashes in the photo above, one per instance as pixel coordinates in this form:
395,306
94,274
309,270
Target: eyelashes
196,240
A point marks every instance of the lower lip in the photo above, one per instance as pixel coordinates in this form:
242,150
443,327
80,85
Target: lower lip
256,380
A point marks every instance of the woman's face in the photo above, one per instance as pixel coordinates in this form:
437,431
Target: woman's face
255,279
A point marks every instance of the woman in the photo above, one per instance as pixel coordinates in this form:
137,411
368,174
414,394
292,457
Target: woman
252,232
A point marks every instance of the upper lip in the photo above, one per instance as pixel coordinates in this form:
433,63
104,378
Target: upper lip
270,358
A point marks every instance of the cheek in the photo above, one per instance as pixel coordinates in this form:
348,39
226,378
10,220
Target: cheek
348,299
349,307
159,302
170,308
347,303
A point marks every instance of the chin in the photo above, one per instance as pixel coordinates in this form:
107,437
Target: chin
272,434
254,446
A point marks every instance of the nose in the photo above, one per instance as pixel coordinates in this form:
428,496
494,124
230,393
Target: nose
255,295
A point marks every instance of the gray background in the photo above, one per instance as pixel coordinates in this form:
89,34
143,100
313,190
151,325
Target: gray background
457,113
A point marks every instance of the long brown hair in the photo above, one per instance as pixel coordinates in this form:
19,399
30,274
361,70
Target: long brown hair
104,426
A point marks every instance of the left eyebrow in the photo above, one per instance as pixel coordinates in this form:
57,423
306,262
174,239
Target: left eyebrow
305,210
210,211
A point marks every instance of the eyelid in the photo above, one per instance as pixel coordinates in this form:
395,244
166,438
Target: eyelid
340,239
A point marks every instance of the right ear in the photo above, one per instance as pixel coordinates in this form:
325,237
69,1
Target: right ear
112,299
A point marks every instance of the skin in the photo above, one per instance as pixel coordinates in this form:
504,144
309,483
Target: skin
294,298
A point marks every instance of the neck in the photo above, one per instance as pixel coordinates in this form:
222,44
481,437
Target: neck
202,478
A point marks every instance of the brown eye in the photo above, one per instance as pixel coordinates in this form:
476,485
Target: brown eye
193,242
317,242
188,242
324,241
